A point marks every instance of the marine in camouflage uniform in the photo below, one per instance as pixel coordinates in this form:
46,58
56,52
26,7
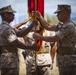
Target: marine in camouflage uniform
9,44
39,64
9,62
29,57
66,53
66,38
66,57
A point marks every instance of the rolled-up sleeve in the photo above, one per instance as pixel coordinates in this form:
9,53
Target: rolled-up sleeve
63,31
11,35
60,34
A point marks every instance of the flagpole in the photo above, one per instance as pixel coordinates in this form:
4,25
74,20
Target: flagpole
35,8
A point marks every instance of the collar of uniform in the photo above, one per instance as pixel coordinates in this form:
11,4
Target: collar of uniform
66,24
4,22
67,21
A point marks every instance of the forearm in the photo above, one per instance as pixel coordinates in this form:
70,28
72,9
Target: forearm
46,25
17,25
43,22
53,51
49,38
52,56
21,45
22,23
23,32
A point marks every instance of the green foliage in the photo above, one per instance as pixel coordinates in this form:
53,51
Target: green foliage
51,19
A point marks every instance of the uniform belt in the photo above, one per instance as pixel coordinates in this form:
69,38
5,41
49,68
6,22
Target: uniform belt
66,50
44,52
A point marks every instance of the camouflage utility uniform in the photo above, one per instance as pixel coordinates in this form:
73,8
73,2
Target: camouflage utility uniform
39,64
66,53
9,62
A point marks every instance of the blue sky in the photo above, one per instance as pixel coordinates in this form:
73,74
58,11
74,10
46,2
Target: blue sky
50,6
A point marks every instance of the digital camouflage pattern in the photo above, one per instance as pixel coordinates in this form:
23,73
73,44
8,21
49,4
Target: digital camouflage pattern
9,61
67,61
9,64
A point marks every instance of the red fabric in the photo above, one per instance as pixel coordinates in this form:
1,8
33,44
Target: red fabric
39,42
40,8
30,5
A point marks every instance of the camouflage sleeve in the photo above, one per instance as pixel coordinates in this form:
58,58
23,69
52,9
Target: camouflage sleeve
10,35
64,31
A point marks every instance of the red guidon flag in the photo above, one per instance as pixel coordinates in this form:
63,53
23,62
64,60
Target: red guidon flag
37,5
